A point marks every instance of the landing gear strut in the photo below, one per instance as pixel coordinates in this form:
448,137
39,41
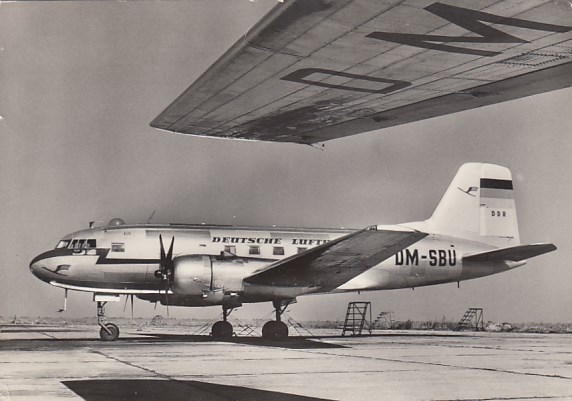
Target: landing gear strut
108,331
223,329
276,329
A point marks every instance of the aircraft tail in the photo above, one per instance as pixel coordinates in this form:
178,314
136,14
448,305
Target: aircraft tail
478,205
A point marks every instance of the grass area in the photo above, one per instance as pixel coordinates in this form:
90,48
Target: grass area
165,322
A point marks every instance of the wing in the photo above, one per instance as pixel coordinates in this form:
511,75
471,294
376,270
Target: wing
330,265
315,70
515,253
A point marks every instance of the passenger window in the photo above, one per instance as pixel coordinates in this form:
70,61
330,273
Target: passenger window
300,250
278,250
254,250
118,247
230,249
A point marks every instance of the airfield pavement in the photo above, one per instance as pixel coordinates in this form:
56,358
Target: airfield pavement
56,363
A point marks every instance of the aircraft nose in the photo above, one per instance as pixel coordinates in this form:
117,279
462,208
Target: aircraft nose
35,264
39,265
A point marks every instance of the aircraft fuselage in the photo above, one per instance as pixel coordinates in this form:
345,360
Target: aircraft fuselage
212,261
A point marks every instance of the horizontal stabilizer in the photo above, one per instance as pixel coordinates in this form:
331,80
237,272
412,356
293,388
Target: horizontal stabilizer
515,253
332,264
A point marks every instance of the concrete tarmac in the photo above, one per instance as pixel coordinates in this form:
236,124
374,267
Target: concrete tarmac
71,363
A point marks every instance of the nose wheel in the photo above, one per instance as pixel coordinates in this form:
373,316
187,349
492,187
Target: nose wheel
108,331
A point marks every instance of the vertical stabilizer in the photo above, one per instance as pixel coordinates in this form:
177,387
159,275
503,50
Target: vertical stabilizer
479,205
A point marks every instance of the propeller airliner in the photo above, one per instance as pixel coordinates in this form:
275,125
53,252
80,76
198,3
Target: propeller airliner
311,71
472,233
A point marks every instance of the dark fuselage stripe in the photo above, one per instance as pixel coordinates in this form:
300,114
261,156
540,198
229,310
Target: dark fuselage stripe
105,261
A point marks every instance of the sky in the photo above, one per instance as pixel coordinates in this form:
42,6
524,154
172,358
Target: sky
81,81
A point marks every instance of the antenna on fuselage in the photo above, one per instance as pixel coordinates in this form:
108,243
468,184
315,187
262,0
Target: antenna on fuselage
150,217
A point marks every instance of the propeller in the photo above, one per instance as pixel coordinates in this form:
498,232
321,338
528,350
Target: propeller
166,270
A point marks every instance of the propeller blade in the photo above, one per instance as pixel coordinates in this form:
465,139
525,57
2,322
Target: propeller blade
163,256
170,252
131,306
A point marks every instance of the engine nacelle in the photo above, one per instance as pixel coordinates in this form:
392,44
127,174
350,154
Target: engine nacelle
213,280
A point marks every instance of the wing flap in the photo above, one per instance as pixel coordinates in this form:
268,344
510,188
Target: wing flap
315,70
515,253
330,265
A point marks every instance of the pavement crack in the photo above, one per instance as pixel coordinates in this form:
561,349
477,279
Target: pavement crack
548,397
445,365
133,365
215,395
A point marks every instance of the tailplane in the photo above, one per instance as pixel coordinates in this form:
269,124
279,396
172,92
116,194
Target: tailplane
514,254
479,206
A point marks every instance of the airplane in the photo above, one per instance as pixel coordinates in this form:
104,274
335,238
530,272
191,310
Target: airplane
311,71
473,232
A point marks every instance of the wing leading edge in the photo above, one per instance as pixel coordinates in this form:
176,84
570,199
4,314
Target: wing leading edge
332,264
315,70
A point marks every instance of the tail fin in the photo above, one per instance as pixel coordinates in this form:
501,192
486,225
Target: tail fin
479,205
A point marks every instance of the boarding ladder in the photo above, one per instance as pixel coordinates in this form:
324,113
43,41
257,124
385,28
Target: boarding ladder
472,319
357,318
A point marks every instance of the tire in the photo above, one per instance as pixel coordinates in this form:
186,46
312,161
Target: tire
113,332
275,331
222,329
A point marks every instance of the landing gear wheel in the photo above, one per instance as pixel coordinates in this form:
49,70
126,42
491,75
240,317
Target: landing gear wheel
222,329
111,334
275,331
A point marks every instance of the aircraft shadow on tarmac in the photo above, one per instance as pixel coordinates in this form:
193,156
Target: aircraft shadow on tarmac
173,390
290,343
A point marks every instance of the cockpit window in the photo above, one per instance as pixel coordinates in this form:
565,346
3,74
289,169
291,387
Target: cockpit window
63,244
80,244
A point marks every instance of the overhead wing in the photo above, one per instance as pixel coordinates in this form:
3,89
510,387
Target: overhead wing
332,264
315,70
515,253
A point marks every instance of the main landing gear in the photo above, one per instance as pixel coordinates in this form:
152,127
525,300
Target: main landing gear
223,329
276,330
108,331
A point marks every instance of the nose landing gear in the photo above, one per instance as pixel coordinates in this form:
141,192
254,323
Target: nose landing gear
108,331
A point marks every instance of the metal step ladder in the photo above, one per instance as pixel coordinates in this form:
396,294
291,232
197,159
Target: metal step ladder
472,319
385,319
357,318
